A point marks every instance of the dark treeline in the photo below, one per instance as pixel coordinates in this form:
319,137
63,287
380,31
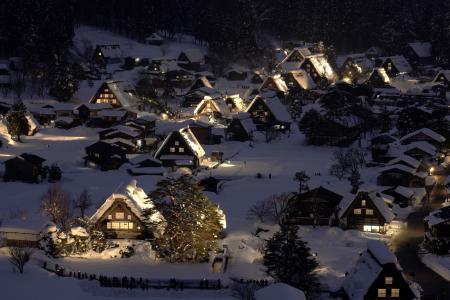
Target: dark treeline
348,25
41,31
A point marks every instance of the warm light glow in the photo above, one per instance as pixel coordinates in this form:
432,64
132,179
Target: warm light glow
60,138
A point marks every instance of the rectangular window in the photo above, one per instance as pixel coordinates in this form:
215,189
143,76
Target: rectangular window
115,225
172,149
120,215
129,217
381,293
367,228
109,217
357,211
363,202
181,150
369,212
388,280
177,143
108,225
395,293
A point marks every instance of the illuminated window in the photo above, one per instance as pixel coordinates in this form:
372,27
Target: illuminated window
129,217
388,280
369,212
120,215
181,150
381,293
177,143
395,293
120,225
363,202
172,149
109,217
357,211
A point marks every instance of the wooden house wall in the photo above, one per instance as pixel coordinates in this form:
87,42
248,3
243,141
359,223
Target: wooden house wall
119,206
398,282
355,221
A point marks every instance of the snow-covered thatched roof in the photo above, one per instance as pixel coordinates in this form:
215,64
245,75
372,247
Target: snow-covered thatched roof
237,101
111,51
192,142
193,55
278,81
124,92
136,200
367,269
303,79
376,198
424,146
323,67
446,74
422,49
438,216
413,163
401,63
273,103
246,121
280,291
219,105
426,131
403,168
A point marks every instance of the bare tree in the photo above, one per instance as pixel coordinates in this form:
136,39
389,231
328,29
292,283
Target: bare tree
56,205
18,257
347,162
279,205
83,202
274,208
260,211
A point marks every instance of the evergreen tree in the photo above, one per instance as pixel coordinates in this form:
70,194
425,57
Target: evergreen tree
288,259
63,82
17,122
54,173
192,223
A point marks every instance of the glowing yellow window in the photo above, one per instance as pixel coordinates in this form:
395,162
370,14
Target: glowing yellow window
381,293
357,211
388,280
395,293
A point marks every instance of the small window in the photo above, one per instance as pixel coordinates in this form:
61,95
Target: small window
108,225
177,143
369,212
357,211
129,217
172,149
363,202
381,293
388,280
109,217
181,150
395,293
120,215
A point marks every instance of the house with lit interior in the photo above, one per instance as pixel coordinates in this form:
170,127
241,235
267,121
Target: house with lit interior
107,54
118,94
122,214
319,69
378,275
267,112
396,65
180,149
367,211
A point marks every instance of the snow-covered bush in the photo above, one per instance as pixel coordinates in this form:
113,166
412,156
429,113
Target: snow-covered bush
76,241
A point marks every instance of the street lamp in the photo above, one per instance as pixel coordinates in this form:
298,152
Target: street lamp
430,172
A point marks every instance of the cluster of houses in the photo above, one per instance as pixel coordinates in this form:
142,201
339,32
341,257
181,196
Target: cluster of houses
405,179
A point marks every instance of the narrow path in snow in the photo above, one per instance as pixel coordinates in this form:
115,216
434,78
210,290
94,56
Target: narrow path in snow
407,247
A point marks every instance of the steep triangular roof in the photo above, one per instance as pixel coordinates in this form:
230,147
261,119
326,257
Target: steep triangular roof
136,200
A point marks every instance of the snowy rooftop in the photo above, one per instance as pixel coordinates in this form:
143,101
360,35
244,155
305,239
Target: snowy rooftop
279,291
426,131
